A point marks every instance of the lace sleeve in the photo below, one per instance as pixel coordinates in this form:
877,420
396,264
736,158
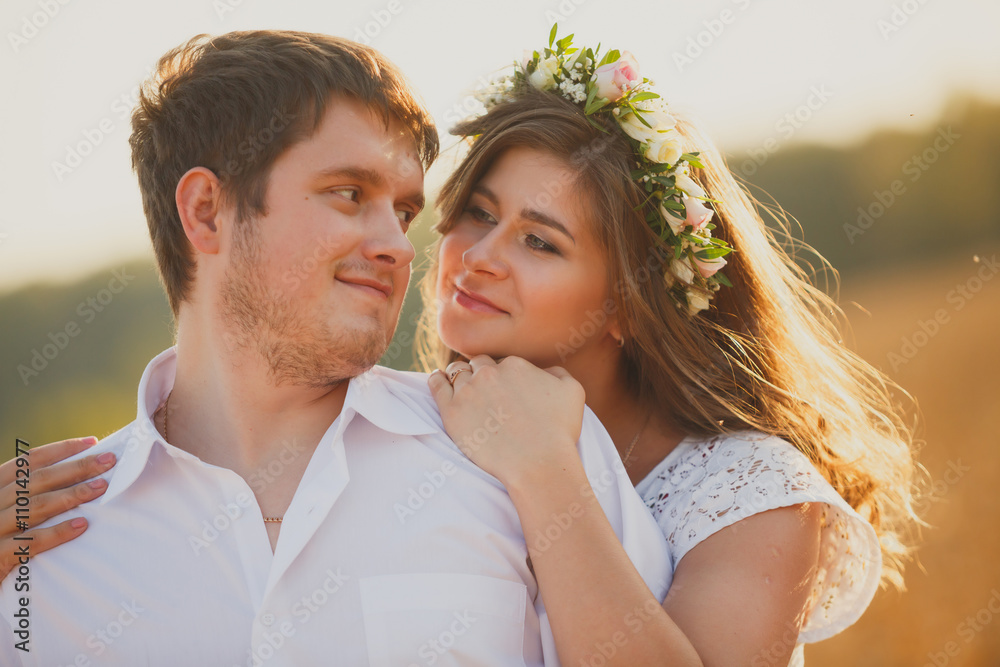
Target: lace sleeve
705,486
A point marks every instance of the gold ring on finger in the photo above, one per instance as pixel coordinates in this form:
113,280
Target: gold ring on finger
454,374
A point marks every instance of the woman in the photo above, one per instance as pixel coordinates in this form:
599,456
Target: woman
574,236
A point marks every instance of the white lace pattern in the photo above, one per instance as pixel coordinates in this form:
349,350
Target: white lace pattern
707,484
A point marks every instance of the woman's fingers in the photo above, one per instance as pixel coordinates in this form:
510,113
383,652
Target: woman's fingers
58,476
46,455
459,372
42,507
42,539
559,372
441,389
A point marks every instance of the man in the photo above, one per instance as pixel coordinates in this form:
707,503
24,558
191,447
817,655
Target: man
278,500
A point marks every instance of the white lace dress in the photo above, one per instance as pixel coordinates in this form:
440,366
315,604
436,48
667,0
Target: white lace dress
708,483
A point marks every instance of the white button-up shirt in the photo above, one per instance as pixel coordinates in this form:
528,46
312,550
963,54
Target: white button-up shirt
396,550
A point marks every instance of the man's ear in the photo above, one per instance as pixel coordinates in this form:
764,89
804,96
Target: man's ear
198,198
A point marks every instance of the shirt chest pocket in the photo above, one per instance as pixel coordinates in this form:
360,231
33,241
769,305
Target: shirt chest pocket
412,620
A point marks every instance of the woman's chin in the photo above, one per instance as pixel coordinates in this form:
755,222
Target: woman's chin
475,349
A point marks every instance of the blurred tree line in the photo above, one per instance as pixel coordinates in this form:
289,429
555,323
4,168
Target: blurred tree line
72,355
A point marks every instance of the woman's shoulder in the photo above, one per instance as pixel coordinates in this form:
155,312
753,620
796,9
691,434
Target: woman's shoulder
709,483
729,458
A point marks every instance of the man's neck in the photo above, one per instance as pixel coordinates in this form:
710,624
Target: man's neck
226,410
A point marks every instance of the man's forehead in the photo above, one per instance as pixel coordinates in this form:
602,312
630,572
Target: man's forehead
354,133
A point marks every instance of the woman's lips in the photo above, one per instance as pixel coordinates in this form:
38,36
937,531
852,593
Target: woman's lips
476,302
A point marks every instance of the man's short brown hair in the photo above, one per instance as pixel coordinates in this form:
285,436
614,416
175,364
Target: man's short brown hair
236,102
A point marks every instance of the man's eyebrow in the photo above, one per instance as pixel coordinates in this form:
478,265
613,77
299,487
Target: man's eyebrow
526,213
370,176
355,173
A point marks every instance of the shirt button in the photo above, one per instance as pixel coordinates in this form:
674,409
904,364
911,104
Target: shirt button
267,619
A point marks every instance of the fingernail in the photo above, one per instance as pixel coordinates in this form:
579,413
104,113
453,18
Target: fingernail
78,523
106,458
96,484
90,440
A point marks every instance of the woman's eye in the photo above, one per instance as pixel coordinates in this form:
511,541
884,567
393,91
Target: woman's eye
406,217
536,243
480,215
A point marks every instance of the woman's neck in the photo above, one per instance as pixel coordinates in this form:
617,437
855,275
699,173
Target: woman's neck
625,417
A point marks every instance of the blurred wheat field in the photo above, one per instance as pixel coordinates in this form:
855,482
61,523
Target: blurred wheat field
945,616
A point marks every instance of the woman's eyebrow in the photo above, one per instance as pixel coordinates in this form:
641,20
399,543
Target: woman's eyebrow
527,213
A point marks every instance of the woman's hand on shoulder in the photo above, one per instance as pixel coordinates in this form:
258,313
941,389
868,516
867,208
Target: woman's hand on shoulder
510,418
48,488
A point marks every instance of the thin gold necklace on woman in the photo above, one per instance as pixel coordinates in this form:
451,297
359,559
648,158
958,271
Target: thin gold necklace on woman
631,446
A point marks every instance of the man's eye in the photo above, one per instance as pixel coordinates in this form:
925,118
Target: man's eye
405,216
349,193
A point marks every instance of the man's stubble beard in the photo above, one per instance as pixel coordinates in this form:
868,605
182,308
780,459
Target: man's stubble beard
297,349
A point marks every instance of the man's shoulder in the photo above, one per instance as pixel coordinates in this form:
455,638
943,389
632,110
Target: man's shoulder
410,391
127,443
407,381
118,443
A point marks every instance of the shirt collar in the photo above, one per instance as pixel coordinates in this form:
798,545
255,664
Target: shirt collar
400,405
140,436
395,407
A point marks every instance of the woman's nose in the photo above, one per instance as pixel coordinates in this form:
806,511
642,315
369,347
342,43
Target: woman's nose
486,256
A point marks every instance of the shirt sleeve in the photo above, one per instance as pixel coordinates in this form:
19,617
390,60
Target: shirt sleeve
624,507
729,478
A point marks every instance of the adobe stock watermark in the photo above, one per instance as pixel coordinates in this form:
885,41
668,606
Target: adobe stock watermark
561,522
103,638
33,23
223,7
59,340
786,126
604,650
562,12
308,605
780,651
915,167
967,630
303,609
381,18
594,320
434,648
90,138
417,496
213,527
957,298
251,147
899,17
941,486
470,105
699,43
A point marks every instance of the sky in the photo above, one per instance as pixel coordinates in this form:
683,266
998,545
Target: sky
760,75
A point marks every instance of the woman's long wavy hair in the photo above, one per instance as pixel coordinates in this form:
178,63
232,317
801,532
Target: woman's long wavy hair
768,354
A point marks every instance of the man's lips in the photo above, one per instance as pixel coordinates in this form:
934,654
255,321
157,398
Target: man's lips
369,285
475,301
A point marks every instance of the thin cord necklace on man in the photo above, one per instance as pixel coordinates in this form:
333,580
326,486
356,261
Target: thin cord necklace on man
166,410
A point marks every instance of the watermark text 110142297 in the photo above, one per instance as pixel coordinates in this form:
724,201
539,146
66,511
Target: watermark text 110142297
21,622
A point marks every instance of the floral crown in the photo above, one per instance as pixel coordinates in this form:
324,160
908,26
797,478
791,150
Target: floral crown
613,87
